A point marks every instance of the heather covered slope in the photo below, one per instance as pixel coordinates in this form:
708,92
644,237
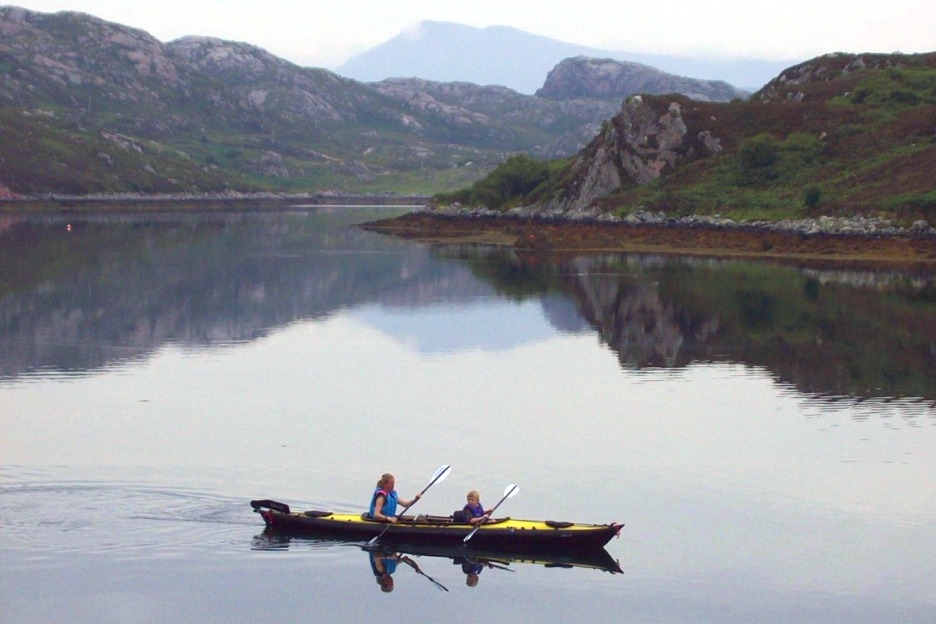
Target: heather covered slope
837,135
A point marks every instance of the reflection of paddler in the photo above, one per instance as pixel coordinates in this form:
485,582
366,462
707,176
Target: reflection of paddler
472,568
384,564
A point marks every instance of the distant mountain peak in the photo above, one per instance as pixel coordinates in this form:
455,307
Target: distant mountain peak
507,56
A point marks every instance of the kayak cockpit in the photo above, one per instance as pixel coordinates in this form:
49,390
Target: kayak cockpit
421,519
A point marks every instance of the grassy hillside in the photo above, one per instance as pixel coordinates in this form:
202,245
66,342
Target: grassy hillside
863,143
835,137
41,153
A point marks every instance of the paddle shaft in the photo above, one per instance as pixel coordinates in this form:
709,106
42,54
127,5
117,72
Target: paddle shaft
413,565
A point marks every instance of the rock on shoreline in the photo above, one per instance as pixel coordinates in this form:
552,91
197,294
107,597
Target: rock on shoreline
825,239
855,225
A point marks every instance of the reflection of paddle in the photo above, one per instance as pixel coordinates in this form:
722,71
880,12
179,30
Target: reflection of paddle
437,476
510,492
496,566
487,563
414,565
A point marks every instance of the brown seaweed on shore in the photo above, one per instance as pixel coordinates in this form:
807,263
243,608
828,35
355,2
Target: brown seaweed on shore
749,242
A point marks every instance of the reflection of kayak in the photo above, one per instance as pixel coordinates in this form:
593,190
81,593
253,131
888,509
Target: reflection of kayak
500,533
592,558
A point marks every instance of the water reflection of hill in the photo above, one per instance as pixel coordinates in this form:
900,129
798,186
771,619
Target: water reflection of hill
849,333
101,291
108,290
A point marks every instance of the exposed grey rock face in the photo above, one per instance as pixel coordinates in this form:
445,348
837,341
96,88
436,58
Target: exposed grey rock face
69,50
73,59
271,164
606,78
602,178
638,145
649,143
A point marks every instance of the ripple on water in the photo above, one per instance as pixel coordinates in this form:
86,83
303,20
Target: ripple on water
118,518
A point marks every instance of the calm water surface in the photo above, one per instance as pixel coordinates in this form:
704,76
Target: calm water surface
767,433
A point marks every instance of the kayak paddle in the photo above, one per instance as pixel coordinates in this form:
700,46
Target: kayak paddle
416,567
437,476
510,492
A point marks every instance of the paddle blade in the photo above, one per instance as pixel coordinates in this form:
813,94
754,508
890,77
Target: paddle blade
511,491
440,474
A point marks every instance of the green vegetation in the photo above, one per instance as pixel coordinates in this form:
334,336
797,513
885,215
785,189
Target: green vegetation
41,153
763,159
861,142
896,87
507,185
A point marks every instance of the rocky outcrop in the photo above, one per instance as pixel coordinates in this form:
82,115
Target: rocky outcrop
272,165
794,83
84,65
606,78
645,140
50,54
263,83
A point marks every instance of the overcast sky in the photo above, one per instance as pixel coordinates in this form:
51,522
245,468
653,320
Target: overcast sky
325,33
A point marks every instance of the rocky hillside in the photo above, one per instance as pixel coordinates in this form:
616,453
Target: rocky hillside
563,126
91,106
838,135
606,78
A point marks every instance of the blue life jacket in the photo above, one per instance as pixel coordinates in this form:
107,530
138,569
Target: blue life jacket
389,564
474,512
469,566
390,502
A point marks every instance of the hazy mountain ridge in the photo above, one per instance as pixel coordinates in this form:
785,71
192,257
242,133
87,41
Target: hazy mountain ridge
443,51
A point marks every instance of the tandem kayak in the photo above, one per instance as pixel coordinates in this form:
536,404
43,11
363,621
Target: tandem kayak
501,533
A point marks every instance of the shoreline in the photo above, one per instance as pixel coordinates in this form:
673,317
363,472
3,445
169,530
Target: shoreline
894,248
133,202
824,241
